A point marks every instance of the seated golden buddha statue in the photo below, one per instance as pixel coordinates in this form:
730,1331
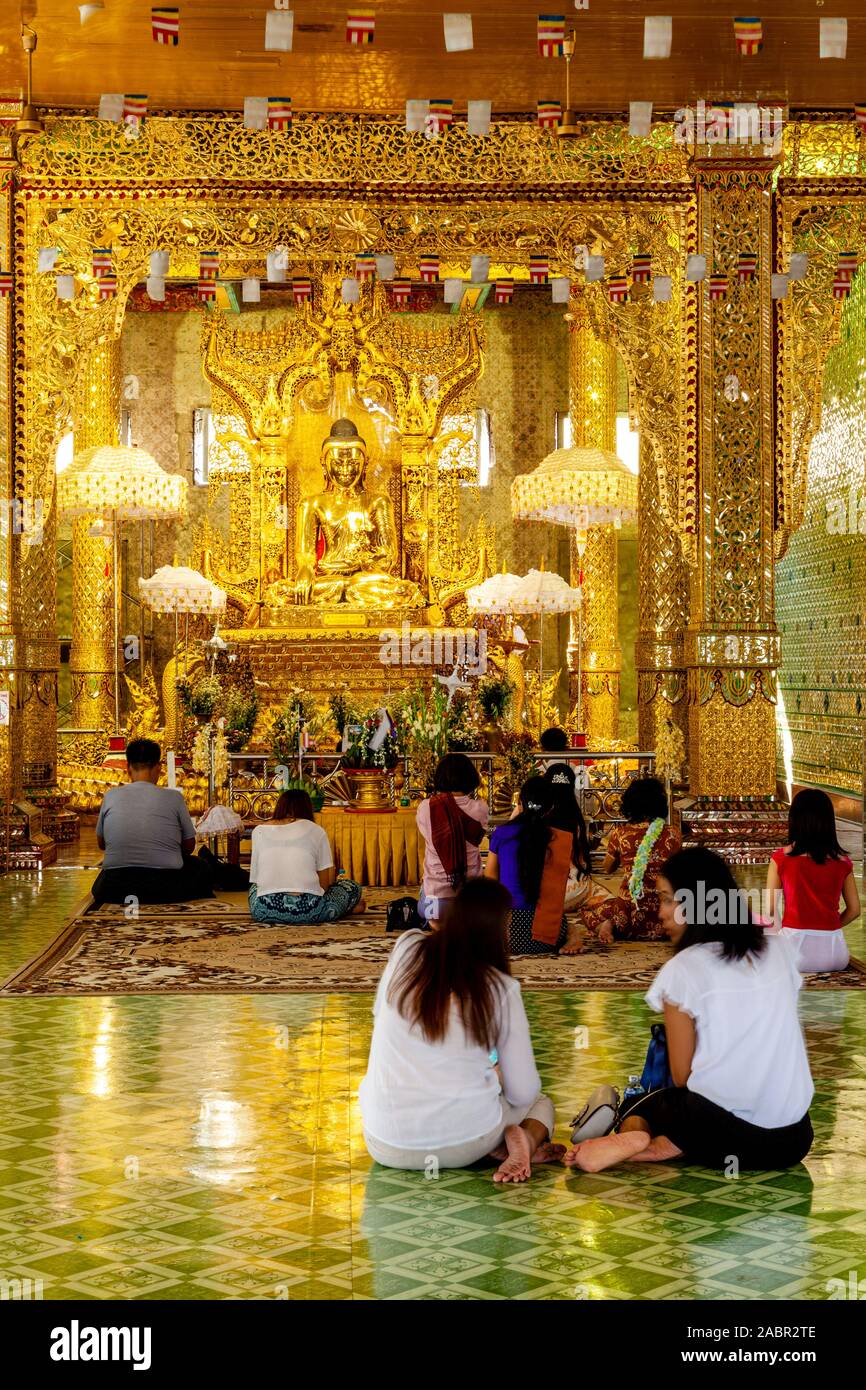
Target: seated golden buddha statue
346,547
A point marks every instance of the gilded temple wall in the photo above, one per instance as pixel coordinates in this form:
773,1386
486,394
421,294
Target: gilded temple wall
821,583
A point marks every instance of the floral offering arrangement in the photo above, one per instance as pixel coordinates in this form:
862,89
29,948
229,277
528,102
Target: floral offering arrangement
373,742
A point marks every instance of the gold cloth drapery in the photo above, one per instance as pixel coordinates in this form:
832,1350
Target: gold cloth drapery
378,850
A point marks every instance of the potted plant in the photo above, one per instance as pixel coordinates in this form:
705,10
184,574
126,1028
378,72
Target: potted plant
494,695
372,752
423,719
239,711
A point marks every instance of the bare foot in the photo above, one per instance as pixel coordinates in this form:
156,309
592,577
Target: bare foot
498,1153
573,940
518,1165
360,906
659,1150
605,936
548,1153
594,1154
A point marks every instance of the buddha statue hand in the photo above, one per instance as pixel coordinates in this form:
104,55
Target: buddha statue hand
303,584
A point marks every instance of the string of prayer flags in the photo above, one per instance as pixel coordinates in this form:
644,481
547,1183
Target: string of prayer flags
641,269
593,269
5,284
860,116
440,115
657,35
551,35
385,267
458,32
165,26
365,266
696,269
360,27
663,289
718,286
279,31
640,117
302,289
842,286
539,270
401,289
847,264
478,117
65,286
107,286
206,291
798,265
416,116
833,38
251,290
453,291
504,291
428,267
617,289
749,34
101,262
560,289
208,265
549,114
779,286
255,113
480,269
747,264
279,113
135,107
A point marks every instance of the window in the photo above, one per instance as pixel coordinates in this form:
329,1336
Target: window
562,430
484,445
202,438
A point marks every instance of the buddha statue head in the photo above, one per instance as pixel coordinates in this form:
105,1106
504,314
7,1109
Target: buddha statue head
344,456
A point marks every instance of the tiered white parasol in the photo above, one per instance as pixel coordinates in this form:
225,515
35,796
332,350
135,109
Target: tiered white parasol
179,589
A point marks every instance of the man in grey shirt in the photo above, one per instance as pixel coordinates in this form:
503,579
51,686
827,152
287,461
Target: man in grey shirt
148,838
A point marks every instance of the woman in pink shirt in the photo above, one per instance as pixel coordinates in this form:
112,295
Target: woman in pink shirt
452,823
813,873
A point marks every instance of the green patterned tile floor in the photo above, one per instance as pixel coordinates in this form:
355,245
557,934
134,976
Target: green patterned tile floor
175,1148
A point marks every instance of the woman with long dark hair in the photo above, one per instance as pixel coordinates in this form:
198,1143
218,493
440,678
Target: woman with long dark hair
741,1081
533,855
292,877
451,1077
452,822
813,872
638,848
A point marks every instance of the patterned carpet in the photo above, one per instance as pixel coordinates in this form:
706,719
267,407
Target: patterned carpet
212,947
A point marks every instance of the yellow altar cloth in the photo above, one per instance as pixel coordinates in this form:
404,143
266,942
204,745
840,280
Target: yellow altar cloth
379,850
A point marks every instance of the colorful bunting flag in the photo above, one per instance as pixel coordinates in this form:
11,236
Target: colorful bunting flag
549,114
723,115
842,287
5,284
134,107
718,286
208,265
165,26
641,269
860,117
360,26
206,291
102,262
749,34
833,38
302,289
747,264
440,114
365,267
279,113
107,286
401,289
847,264
617,289
504,291
551,35
539,269
429,269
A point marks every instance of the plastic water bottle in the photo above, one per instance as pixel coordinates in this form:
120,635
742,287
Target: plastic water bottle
634,1089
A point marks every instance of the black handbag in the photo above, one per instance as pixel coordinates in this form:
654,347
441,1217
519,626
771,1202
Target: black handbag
402,915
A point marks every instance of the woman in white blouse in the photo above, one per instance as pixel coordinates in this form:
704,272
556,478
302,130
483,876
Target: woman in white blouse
451,1077
292,878
741,1081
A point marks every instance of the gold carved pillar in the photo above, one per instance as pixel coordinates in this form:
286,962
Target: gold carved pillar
663,611
731,647
95,422
10,638
415,510
592,406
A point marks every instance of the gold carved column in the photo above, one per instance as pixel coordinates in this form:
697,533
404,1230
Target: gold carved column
731,647
592,406
10,680
96,417
663,610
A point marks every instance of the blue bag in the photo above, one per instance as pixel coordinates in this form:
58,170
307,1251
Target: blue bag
656,1074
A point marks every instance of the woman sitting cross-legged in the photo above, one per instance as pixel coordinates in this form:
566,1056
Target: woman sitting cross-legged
292,870
451,1076
741,1081
639,848
452,822
532,855
813,872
